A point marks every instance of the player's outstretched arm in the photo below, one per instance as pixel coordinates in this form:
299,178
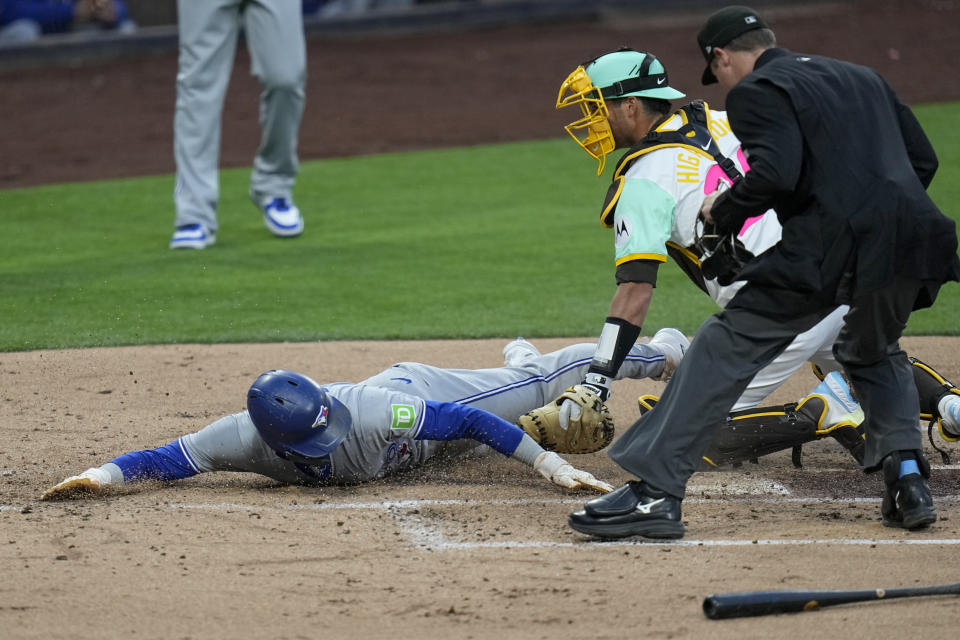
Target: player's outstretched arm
167,463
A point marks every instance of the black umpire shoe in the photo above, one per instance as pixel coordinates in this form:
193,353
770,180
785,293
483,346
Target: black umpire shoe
635,509
906,502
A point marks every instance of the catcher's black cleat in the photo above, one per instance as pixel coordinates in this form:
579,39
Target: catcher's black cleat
906,502
635,509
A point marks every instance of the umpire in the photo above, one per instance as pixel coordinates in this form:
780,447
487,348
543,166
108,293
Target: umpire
845,164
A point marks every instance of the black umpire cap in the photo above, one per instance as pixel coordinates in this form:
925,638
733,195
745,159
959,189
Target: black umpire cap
722,27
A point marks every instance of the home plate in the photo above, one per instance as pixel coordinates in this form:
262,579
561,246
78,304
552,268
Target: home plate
735,487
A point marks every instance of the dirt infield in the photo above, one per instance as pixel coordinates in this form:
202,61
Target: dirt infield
476,551
480,550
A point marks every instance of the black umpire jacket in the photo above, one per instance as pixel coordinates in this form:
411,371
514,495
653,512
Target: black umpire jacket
845,165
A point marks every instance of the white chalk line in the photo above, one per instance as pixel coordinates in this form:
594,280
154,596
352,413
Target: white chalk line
935,467
444,545
425,532
388,504
393,504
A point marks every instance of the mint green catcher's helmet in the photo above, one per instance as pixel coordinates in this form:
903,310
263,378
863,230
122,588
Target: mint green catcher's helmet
631,73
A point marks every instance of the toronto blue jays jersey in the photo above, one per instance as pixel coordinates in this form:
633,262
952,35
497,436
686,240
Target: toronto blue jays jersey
400,418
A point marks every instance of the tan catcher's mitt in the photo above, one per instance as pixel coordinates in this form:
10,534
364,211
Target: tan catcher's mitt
591,431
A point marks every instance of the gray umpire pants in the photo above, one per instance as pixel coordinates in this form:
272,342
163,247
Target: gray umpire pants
664,447
208,31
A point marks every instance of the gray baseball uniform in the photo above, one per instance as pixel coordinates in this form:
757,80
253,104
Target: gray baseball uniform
208,37
388,425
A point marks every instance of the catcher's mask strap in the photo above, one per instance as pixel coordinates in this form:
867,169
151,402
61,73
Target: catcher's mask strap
641,82
631,85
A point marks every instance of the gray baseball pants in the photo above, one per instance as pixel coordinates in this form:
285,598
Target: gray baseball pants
208,32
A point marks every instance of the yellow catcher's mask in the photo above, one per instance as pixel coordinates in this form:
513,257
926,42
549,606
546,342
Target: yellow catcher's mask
592,130
619,74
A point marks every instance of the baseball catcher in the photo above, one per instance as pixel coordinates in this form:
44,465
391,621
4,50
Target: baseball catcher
674,158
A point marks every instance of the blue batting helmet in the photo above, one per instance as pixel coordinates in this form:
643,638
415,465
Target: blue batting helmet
294,415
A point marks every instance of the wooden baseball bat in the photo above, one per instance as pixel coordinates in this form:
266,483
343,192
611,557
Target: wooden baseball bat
759,603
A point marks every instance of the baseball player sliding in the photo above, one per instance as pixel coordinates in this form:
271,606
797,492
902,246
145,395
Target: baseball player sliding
297,431
675,160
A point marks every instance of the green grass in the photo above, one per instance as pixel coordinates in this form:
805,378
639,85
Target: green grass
940,123
488,241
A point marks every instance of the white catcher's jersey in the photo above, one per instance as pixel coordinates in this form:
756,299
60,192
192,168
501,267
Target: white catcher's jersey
659,205
661,197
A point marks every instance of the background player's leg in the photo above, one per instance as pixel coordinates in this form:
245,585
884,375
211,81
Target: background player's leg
278,59
208,38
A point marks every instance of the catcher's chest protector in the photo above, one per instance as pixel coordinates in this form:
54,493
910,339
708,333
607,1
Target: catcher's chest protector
693,135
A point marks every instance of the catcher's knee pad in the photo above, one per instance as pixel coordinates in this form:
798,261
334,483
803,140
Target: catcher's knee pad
848,433
931,387
749,434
